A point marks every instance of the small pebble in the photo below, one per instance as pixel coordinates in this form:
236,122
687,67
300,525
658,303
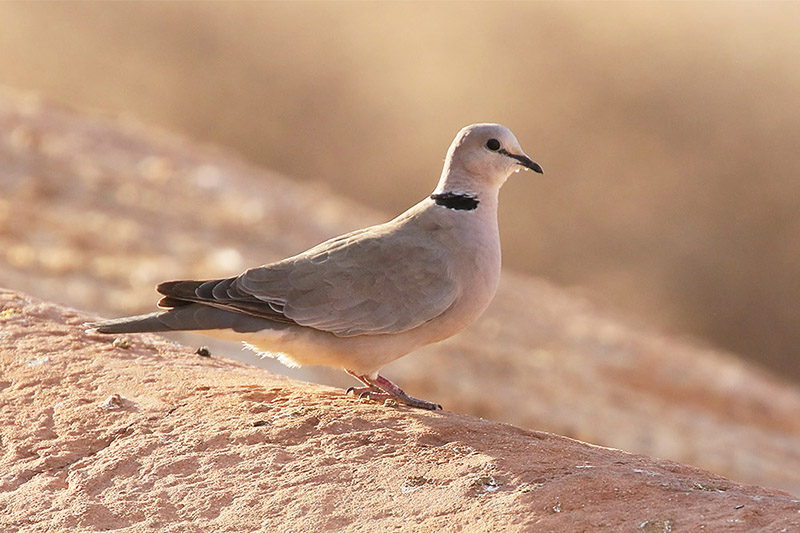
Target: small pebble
203,351
112,402
122,343
486,484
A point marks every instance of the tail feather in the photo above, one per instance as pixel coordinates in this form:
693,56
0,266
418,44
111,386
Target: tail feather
189,317
131,324
178,293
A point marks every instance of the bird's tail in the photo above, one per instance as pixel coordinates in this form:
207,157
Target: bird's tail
189,317
131,324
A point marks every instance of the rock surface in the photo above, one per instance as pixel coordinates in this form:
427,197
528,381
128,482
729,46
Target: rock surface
140,432
95,211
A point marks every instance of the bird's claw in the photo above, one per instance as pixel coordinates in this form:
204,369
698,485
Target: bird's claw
362,392
420,404
373,395
376,394
386,390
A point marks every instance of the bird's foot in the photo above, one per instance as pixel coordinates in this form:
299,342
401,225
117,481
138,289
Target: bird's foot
363,392
416,402
381,389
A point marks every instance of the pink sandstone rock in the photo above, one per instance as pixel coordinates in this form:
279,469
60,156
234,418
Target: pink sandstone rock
95,210
145,434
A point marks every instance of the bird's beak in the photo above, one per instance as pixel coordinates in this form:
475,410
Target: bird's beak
525,161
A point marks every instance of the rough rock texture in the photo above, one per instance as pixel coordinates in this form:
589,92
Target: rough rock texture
95,211
140,432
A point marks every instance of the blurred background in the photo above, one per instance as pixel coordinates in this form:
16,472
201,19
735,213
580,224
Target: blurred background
669,132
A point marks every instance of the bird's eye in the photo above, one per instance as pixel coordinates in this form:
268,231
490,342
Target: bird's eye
493,145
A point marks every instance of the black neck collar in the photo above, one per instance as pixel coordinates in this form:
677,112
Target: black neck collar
460,201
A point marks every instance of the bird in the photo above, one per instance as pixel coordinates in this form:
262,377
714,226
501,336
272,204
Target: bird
361,300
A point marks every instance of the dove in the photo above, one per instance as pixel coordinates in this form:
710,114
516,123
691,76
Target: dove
366,298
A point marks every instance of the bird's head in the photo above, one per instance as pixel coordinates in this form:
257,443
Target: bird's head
487,154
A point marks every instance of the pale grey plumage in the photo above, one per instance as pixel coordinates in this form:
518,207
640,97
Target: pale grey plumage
361,300
363,283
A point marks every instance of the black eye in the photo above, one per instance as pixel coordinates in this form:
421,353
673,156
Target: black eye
493,145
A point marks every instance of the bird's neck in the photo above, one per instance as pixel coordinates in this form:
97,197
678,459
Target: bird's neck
457,190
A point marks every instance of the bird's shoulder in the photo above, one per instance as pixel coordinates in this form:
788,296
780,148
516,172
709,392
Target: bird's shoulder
413,235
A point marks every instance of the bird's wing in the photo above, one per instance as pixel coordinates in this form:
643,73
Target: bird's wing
368,282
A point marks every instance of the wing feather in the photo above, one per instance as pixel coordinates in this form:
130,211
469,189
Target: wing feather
364,283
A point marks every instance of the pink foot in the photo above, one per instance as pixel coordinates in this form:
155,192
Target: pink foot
382,389
363,392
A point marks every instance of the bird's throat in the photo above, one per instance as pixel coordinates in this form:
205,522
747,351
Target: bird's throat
459,201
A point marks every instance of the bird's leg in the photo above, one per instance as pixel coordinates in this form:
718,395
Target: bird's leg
399,394
381,388
362,392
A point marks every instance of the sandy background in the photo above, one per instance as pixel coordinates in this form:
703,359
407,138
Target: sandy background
94,211
668,131
143,142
